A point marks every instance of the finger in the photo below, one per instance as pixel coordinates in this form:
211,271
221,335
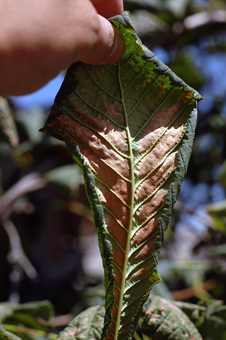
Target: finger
108,8
108,47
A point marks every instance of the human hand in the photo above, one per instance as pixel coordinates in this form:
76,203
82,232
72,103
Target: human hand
39,38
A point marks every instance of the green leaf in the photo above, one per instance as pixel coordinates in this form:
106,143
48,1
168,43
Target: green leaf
222,174
87,325
129,126
217,211
66,178
209,316
8,129
161,320
214,325
26,321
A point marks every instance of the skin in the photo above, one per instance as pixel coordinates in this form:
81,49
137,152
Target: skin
39,38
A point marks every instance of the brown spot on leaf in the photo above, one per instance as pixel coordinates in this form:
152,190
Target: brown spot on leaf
99,147
157,177
116,230
120,187
118,256
117,137
112,110
109,337
149,228
102,125
106,174
114,204
101,158
142,271
112,327
151,205
158,124
114,312
117,294
118,278
160,150
145,251
139,273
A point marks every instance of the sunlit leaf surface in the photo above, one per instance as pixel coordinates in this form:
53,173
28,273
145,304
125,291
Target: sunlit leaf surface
129,126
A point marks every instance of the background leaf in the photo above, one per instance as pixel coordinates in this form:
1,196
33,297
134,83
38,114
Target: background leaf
87,325
8,129
66,178
161,320
208,315
217,212
130,127
34,318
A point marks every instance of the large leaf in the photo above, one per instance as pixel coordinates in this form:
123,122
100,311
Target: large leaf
26,321
129,126
209,316
162,320
87,325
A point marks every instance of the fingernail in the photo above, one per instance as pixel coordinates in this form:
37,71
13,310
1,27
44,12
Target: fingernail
117,50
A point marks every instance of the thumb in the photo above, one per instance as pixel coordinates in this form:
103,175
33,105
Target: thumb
109,46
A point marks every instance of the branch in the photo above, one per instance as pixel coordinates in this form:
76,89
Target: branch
27,184
201,19
16,254
158,33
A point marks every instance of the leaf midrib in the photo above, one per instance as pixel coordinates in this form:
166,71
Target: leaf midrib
130,213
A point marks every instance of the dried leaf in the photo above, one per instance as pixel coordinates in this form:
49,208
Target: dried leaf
129,126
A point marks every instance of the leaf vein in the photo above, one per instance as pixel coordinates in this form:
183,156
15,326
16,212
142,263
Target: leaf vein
98,84
110,212
103,161
111,70
141,97
159,187
151,116
105,184
134,79
97,132
131,56
99,111
162,134
117,266
140,245
148,219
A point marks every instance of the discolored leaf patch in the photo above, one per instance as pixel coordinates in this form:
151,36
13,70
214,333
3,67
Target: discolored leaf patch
129,126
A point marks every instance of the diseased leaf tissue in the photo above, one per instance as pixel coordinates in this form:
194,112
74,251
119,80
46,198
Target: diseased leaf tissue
129,126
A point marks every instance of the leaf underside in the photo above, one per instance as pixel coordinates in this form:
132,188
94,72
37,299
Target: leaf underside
129,126
87,325
161,319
